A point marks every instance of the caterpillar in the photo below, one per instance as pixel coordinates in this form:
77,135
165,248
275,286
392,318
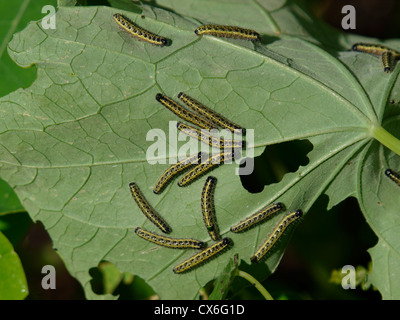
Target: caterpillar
207,207
211,140
275,235
203,256
387,55
139,33
183,243
374,49
393,175
147,210
257,217
174,170
184,113
387,61
228,32
200,169
211,115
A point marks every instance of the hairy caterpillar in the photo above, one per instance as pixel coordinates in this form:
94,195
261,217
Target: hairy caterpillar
257,217
207,165
147,210
174,170
374,49
211,115
393,175
228,32
203,256
207,207
387,55
184,113
211,140
183,243
387,61
139,33
275,235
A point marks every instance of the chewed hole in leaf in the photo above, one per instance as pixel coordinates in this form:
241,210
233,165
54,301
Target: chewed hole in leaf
343,239
274,163
107,279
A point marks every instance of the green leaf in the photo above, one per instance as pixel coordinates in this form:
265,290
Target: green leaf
223,281
9,202
72,142
127,5
106,278
13,284
15,15
271,17
111,277
66,3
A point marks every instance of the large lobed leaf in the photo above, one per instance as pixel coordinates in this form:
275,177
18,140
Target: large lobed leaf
72,142
9,202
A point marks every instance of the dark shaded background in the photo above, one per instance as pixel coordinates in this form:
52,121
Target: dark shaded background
374,18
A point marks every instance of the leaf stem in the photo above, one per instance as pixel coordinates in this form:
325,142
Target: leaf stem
257,284
384,137
12,212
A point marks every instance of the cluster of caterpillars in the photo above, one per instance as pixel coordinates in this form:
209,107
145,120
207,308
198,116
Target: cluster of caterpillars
388,56
197,165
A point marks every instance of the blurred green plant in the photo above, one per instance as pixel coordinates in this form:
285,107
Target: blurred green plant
361,277
13,284
14,16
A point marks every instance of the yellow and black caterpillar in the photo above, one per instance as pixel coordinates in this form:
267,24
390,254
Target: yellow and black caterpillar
203,256
228,32
175,243
387,54
139,33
